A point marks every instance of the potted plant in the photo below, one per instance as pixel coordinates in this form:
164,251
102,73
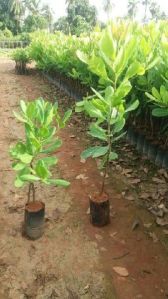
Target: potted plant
115,64
32,158
21,58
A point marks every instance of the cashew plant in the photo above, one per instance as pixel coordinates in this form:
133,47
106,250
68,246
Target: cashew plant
33,155
116,64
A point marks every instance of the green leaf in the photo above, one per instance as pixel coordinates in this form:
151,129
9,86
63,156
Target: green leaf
156,94
160,112
92,110
150,96
107,45
50,160
123,89
113,156
66,116
53,147
23,106
29,178
119,125
98,132
59,182
132,106
18,166
19,183
19,117
25,158
41,170
133,69
82,56
95,151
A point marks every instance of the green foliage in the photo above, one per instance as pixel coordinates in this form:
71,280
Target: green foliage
21,55
35,22
109,109
42,122
127,56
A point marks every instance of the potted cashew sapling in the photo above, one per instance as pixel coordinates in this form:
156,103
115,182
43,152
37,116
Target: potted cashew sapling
115,65
32,159
21,58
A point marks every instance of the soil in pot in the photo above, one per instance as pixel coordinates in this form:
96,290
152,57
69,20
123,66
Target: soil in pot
34,219
100,209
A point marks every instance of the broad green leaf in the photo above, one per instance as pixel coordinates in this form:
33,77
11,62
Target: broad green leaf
66,116
133,106
41,170
150,96
135,68
119,125
25,158
19,183
59,182
123,89
156,94
50,160
160,112
95,151
113,156
19,117
97,66
107,45
93,111
153,63
53,147
98,132
23,106
82,56
29,178
18,166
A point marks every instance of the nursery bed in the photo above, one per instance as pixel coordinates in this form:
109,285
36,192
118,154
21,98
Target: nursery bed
74,259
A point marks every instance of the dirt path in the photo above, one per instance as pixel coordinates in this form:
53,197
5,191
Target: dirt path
72,259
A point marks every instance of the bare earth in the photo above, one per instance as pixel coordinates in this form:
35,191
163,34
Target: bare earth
73,259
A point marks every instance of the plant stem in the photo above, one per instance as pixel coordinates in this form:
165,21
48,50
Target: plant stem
109,142
31,188
29,193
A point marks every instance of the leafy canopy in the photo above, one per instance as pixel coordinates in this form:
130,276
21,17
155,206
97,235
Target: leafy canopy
32,156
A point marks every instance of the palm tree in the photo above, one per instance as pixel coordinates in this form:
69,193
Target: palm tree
33,6
48,15
17,9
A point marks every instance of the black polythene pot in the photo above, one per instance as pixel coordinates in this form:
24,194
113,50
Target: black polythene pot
100,210
140,143
152,151
159,158
130,131
34,219
165,160
133,137
146,147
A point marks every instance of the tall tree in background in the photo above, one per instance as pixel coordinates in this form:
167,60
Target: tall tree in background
132,8
108,6
33,6
82,8
48,15
156,12
17,8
